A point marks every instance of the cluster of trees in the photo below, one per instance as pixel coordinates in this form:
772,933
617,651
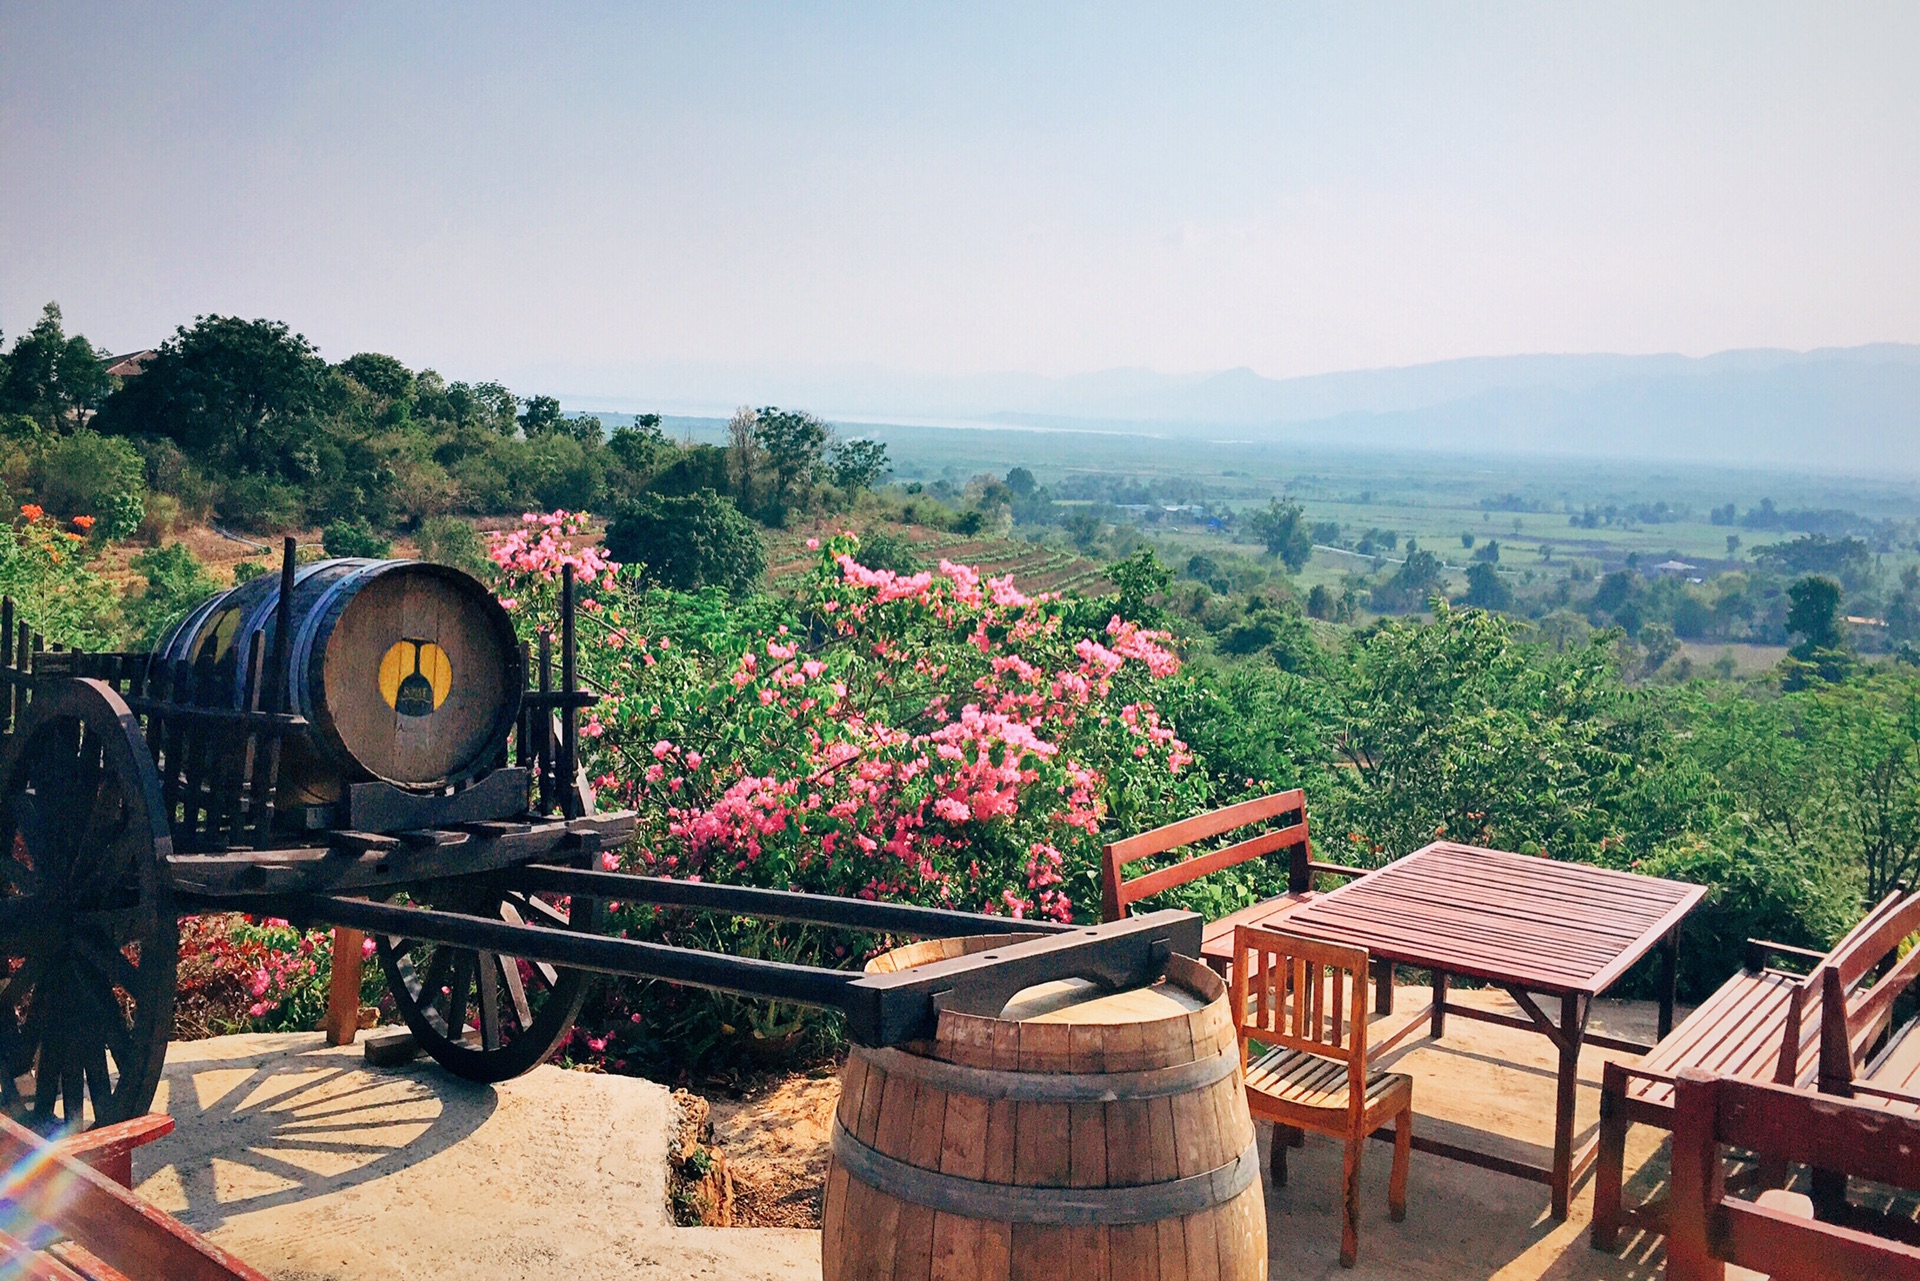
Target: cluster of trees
243,422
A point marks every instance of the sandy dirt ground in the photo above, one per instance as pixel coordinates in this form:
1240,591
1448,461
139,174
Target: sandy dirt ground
316,1168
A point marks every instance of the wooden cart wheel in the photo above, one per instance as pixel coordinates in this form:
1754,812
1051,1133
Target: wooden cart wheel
89,941
487,1016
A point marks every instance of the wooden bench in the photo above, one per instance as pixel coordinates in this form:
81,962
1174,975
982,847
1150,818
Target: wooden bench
1860,1053
1763,1024
73,1217
1714,1236
1288,809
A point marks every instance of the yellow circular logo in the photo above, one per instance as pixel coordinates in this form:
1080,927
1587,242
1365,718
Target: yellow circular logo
415,677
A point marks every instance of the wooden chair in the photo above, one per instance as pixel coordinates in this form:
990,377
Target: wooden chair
1307,1001
72,1217
1289,809
1714,1237
1763,1024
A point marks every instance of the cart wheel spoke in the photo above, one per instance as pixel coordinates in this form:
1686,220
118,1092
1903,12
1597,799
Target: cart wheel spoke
458,989
487,999
516,991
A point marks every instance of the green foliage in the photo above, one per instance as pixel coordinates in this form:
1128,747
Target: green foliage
1486,589
1814,616
448,540
1458,728
857,464
49,572
689,542
86,474
881,548
1412,585
1280,527
354,538
176,581
51,377
1141,578
794,443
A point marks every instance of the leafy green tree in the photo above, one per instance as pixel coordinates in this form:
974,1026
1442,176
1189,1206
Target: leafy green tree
1486,589
449,540
51,377
689,542
858,464
882,548
1457,728
234,392
1280,528
1411,586
382,375
1814,616
794,443
1848,559
1021,482
1142,581
541,416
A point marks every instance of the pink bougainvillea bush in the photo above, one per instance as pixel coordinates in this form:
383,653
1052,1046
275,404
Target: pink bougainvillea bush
938,738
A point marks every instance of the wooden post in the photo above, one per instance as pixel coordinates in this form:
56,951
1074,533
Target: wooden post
1438,1026
1696,1180
343,989
1382,987
1573,1026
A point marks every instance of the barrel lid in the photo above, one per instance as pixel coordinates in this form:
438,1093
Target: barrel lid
1084,1002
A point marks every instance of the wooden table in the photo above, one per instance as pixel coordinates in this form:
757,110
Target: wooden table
1531,926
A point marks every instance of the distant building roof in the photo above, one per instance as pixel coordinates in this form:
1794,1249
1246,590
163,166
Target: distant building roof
1673,567
130,365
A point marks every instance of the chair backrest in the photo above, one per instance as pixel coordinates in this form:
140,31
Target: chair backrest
1856,1006
1118,893
1709,1230
1303,994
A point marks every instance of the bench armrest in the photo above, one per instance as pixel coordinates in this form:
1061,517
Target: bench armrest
1337,869
1758,950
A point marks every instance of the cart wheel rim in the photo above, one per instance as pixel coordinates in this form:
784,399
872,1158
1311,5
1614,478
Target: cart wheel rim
89,942
487,1016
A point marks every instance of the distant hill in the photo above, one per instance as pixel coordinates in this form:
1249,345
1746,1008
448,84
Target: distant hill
1835,409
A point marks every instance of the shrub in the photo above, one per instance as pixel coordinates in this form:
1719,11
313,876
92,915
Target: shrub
449,540
354,538
86,474
47,567
176,581
687,543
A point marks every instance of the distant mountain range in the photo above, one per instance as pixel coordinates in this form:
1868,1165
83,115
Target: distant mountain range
1854,409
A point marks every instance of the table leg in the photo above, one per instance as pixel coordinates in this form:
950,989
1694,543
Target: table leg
1572,1030
1439,1024
1383,987
1669,979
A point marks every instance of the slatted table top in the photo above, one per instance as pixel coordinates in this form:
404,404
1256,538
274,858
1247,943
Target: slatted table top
1508,918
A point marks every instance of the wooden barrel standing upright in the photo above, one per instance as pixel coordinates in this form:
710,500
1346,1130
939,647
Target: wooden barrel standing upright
408,672
1085,1135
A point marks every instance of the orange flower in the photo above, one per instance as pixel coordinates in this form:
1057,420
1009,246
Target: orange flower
83,522
32,511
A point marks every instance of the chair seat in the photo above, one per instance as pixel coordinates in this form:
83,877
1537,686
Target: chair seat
1302,1080
1736,1033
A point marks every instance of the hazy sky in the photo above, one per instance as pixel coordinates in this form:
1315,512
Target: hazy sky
593,195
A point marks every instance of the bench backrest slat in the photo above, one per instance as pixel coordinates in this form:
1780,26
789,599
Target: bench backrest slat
1120,893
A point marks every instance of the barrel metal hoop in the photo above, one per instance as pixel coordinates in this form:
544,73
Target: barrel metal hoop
1063,1207
1055,1087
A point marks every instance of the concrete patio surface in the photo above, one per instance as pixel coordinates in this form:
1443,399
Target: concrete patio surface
314,1167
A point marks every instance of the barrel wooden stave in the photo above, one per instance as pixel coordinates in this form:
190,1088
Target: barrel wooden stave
870,1233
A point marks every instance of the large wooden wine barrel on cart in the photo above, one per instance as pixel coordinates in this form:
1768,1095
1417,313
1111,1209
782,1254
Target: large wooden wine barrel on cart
407,672
1081,1133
